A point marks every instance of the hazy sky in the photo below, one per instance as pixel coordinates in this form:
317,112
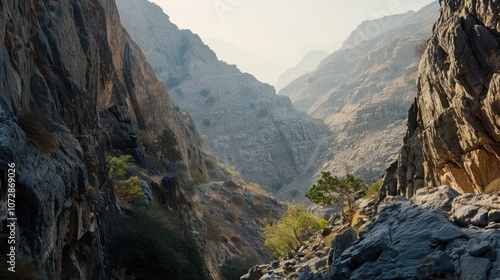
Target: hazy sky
280,27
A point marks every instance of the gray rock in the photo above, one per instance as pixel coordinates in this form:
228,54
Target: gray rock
340,243
494,216
392,246
465,215
474,268
445,234
436,265
436,198
480,249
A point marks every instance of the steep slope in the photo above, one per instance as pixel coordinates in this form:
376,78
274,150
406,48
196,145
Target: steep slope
247,125
453,132
364,92
73,86
308,63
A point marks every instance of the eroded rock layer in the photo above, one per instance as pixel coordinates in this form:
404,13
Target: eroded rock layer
454,137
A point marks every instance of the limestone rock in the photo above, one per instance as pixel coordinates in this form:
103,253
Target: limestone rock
458,102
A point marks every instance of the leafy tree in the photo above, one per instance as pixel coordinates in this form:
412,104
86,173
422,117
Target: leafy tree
330,190
129,188
164,146
167,142
291,230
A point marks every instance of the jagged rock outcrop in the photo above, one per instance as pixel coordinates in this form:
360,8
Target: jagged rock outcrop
454,137
247,125
73,86
364,90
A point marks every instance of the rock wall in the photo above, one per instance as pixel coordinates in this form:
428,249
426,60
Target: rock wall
73,86
456,139
246,124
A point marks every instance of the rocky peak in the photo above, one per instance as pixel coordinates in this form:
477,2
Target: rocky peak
454,133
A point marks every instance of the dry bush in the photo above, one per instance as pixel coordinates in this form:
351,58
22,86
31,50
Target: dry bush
420,48
493,187
35,127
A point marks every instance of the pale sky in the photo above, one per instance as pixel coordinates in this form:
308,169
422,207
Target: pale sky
272,28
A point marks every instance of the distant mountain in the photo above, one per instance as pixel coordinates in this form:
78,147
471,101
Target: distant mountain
308,63
363,94
264,69
246,124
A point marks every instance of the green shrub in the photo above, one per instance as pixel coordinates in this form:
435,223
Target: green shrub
235,267
125,188
35,127
129,189
148,249
291,231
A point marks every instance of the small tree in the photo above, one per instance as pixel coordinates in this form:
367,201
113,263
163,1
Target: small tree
167,143
291,230
330,190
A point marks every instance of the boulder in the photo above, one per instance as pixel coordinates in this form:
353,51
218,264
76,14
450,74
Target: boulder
340,243
466,215
436,198
437,264
474,268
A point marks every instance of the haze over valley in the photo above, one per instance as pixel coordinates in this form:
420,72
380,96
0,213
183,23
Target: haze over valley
249,140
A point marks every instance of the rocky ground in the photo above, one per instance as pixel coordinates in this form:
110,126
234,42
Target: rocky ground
439,234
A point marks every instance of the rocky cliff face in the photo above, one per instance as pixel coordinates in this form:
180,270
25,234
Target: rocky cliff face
364,90
454,132
246,124
73,86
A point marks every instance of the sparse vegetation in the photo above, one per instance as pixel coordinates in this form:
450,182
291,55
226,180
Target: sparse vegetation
291,231
125,188
330,190
493,187
149,249
206,122
210,100
262,113
420,48
373,190
163,147
35,127
205,92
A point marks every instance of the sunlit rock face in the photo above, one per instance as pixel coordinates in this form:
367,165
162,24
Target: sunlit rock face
454,136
